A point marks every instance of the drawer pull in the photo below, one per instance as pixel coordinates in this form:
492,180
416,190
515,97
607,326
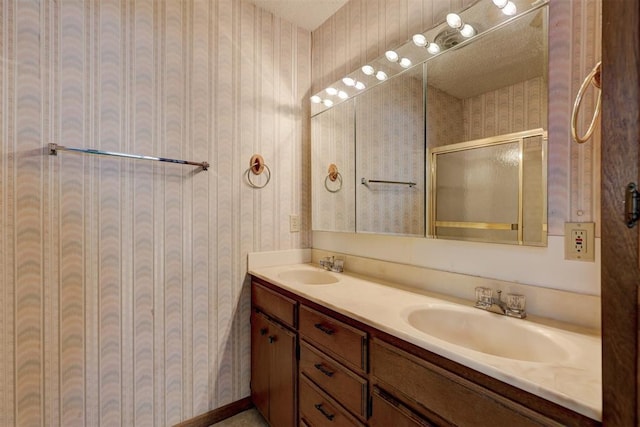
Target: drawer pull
272,339
327,415
320,367
324,329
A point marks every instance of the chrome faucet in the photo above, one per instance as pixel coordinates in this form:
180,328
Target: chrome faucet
514,307
331,263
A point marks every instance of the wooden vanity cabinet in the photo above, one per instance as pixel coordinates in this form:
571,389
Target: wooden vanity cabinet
351,374
273,357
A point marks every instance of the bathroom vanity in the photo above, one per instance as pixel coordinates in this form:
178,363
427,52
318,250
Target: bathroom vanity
352,354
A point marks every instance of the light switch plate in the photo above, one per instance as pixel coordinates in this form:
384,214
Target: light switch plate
579,241
294,223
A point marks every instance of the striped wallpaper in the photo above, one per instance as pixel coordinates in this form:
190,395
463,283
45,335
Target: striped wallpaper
364,29
123,298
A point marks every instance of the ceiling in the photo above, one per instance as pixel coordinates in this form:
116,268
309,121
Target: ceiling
307,14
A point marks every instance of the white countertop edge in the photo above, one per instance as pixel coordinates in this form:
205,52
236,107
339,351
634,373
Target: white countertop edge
505,370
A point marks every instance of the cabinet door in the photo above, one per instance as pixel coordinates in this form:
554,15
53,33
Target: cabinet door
282,381
260,362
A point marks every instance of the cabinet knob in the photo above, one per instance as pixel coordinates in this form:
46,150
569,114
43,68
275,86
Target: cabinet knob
263,331
272,339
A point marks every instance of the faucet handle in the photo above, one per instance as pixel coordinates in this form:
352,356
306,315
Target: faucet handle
484,297
338,265
516,305
327,262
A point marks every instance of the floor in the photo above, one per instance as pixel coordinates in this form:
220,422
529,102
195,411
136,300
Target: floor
250,418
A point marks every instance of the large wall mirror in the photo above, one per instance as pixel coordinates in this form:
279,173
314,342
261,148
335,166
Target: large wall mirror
422,149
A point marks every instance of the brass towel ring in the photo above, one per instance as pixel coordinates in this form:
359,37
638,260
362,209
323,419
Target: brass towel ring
592,77
333,175
256,167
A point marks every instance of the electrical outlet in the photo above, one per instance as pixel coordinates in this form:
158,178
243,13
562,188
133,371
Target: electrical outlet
579,241
294,223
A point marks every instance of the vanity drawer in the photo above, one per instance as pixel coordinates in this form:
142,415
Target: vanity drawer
339,340
274,304
387,411
339,382
455,399
317,409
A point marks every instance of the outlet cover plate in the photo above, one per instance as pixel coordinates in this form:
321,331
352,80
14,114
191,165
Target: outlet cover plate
579,241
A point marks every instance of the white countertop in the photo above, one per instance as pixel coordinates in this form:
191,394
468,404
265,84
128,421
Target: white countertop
574,382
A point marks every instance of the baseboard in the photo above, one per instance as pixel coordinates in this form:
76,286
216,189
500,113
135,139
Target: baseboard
217,415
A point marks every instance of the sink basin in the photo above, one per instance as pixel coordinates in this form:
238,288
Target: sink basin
489,333
309,277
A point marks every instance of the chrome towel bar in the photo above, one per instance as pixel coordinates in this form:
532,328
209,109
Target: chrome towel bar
54,148
366,181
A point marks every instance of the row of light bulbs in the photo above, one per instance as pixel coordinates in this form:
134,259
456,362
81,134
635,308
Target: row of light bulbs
453,20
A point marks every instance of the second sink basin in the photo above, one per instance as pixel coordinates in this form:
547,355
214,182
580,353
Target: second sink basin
489,333
308,277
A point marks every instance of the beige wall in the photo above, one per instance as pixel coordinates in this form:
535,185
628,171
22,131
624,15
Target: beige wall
123,297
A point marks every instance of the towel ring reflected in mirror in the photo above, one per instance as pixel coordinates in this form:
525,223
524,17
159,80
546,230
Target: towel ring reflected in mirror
333,175
256,167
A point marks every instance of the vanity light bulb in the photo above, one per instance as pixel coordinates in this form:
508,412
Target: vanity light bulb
419,40
467,31
510,9
433,48
316,99
332,91
360,85
327,103
368,70
381,75
405,63
500,3
454,20
391,55
348,81
342,95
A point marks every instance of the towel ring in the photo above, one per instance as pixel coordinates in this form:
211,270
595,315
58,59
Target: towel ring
595,78
333,175
256,167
